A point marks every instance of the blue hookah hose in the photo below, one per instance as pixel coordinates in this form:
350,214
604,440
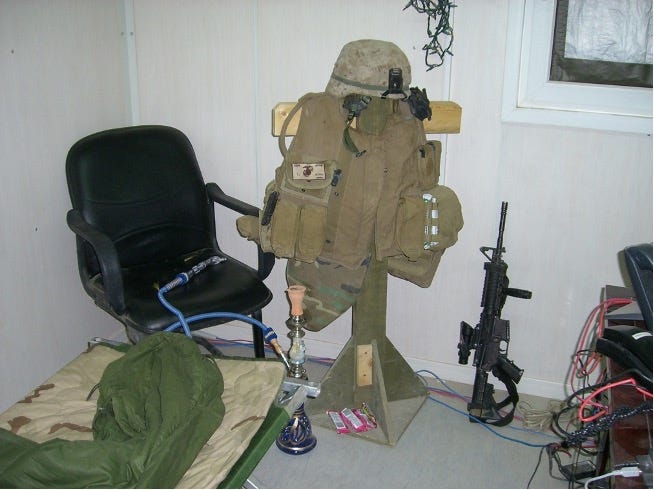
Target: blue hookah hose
182,278
268,333
182,321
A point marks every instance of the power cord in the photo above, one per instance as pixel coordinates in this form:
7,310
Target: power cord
470,417
572,473
626,472
542,419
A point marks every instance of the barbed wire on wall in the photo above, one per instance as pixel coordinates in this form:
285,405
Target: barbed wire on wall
438,25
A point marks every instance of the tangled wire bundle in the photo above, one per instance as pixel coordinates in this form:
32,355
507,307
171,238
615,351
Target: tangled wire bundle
438,24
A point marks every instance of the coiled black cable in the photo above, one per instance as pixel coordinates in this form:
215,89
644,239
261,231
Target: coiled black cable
604,423
438,24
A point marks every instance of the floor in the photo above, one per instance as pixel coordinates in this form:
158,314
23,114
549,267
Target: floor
440,448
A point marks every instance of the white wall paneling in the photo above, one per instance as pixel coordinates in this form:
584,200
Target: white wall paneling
63,76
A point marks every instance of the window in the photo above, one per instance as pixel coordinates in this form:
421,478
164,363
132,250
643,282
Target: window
540,88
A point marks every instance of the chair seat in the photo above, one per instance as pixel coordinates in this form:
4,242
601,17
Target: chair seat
224,287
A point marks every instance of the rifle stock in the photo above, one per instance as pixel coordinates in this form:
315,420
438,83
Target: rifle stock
490,338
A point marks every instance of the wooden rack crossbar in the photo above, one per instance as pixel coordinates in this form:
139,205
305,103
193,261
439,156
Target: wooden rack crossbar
445,118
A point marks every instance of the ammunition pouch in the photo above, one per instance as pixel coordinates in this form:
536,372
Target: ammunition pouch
293,221
427,222
440,223
297,227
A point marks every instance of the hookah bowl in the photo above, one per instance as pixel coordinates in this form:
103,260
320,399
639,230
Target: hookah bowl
296,437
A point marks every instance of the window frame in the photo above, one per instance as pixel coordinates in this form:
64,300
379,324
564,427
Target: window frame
530,97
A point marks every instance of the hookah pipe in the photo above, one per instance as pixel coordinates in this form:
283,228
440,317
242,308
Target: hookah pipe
296,323
297,437
297,386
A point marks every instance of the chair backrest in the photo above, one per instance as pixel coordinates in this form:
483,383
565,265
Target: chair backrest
143,188
639,266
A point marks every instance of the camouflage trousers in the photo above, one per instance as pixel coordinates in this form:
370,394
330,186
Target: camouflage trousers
331,288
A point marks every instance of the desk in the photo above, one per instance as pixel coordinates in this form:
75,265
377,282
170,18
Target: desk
627,439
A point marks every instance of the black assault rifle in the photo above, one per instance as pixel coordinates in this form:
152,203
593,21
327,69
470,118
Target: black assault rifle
490,339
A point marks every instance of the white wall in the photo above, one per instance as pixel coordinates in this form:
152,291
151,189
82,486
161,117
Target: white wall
62,76
215,69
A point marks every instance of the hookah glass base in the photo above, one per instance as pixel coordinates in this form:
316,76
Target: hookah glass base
296,437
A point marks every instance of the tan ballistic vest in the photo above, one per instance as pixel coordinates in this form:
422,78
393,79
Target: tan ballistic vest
343,193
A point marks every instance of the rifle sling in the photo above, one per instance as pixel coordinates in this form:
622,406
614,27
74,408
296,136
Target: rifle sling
512,397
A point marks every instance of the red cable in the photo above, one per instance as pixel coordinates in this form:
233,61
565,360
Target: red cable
582,368
603,409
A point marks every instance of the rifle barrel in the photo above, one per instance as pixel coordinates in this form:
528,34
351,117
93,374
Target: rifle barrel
500,234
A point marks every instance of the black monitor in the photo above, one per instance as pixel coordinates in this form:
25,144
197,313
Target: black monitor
638,259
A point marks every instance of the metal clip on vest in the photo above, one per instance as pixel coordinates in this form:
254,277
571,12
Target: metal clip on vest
296,323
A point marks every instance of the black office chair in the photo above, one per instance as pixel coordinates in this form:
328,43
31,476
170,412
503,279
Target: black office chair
142,214
638,259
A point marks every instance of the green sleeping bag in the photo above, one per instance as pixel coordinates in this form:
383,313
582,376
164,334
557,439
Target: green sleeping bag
157,407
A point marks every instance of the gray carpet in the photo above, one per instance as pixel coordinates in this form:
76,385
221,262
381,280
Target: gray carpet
439,449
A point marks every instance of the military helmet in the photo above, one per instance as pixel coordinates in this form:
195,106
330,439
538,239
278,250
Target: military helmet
363,68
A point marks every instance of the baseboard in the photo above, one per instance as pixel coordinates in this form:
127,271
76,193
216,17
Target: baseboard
445,371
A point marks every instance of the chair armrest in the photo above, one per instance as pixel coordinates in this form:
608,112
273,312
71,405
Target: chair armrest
265,260
107,256
218,195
